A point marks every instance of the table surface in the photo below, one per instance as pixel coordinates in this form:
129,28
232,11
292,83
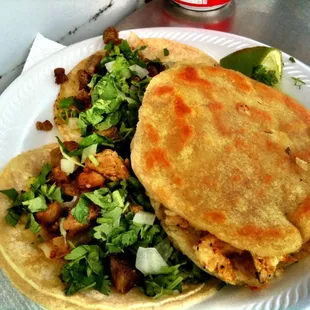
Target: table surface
284,24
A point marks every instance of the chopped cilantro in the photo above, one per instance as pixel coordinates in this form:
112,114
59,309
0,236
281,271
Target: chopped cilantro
78,252
85,270
292,59
166,52
66,103
36,204
51,192
31,201
165,283
165,249
41,179
116,95
81,210
298,82
13,215
10,193
32,224
96,139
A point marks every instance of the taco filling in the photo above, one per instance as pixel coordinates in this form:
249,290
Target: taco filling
110,90
87,208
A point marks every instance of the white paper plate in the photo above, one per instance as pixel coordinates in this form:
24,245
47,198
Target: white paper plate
31,96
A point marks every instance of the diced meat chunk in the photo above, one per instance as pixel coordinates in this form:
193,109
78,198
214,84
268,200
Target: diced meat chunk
55,248
90,179
135,208
155,68
73,226
59,175
55,157
127,163
44,126
70,189
53,227
124,277
51,215
110,165
85,99
92,63
135,78
111,133
83,79
111,34
60,76
71,145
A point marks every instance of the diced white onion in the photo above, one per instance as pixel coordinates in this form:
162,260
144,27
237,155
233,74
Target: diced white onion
74,159
67,166
63,232
142,72
72,122
109,65
90,150
149,261
46,248
93,159
145,218
70,204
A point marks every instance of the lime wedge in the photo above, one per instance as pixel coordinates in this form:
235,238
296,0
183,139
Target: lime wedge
249,59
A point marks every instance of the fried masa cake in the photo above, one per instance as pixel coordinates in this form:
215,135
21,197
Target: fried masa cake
225,160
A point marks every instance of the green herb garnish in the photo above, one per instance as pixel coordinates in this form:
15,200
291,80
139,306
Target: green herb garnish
298,82
292,59
85,270
166,52
33,200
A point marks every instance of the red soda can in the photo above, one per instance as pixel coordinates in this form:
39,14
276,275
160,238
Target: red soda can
201,5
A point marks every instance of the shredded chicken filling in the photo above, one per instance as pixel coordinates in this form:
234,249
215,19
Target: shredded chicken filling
222,259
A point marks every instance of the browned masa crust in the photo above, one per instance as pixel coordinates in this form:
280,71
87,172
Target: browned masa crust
212,146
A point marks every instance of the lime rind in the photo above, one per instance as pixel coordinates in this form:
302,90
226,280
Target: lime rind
273,61
245,60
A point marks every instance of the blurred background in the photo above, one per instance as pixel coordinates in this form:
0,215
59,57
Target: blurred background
64,21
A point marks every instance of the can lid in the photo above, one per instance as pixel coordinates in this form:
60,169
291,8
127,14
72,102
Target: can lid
201,5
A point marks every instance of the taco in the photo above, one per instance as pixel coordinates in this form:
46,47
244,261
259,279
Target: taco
225,160
77,230
103,93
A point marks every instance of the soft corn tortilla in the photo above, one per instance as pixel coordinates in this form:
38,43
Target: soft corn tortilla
229,155
38,277
178,53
